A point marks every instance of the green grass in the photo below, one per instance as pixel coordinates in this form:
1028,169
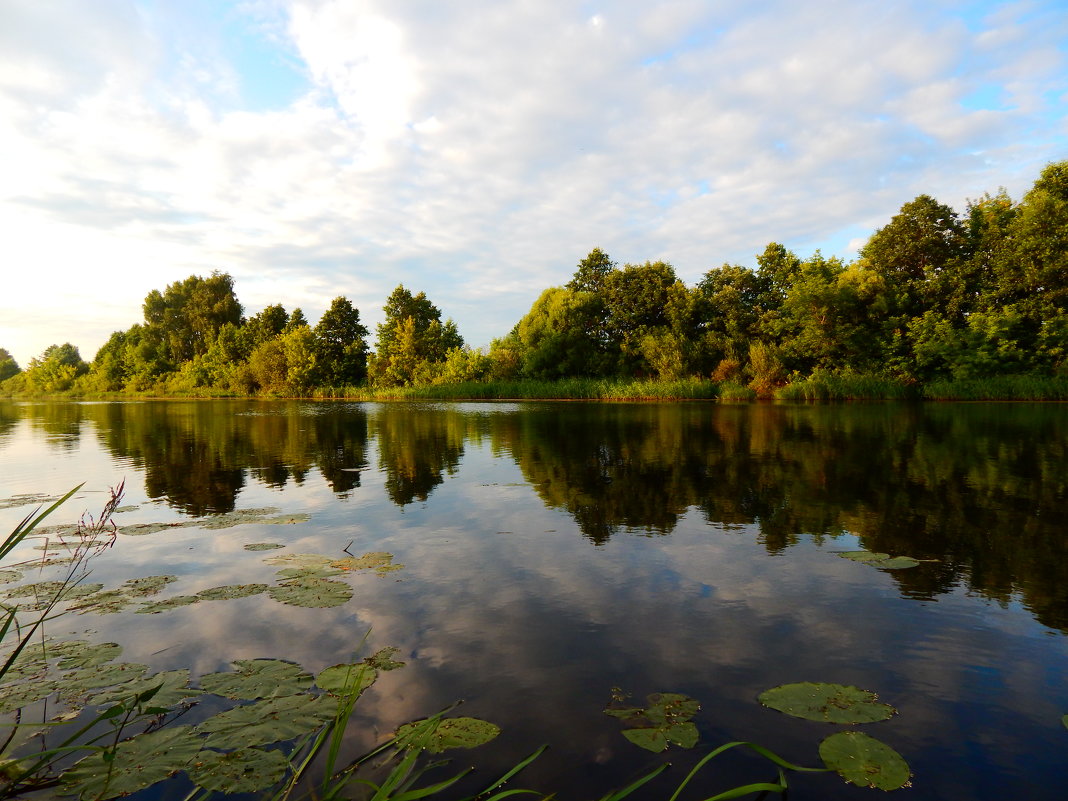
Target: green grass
845,386
563,389
1002,387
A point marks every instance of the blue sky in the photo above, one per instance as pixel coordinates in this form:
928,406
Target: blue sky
477,150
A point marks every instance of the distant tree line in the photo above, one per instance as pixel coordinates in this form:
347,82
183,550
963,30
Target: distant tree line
933,295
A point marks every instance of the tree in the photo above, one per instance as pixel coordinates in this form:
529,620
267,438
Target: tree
553,339
186,317
268,324
592,272
341,344
8,365
412,335
637,299
296,320
56,368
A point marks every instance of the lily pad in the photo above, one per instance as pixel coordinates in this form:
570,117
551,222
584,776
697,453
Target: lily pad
665,721
48,589
263,546
382,659
143,529
346,679
287,573
864,761
8,576
286,520
1064,720
246,770
97,676
883,561
16,696
379,561
232,591
83,654
138,762
146,585
237,517
258,678
299,560
173,689
314,593
155,607
102,603
827,703
440,735
269,721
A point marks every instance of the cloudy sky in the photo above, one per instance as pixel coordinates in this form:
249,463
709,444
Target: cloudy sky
478,149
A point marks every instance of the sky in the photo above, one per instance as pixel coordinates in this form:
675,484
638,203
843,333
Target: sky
477,150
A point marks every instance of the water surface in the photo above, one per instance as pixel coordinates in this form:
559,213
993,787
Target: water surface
552,552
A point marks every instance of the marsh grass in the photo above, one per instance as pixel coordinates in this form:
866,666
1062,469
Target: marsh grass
590,389
825,386
1001,387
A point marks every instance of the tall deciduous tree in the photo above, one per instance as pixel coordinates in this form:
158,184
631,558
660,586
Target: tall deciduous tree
341,344
411,338
187,316
8,365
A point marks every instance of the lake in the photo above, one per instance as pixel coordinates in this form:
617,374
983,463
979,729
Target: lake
552,552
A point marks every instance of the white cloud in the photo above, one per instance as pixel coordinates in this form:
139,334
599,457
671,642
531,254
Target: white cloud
478,151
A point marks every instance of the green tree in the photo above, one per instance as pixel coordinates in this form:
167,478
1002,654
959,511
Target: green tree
341,344
592,272
637,298
411,337
8,365
56,368
296,320
186,317
552,338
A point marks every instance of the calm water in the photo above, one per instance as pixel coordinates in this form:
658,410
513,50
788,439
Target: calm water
554,551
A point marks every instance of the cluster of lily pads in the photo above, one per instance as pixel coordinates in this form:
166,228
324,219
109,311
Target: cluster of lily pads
241,749
858,758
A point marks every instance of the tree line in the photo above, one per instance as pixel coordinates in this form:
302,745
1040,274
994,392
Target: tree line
934,294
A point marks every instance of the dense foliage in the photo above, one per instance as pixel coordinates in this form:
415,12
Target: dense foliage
934,296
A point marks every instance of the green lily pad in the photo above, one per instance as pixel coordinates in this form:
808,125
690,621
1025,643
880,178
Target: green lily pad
382,659
173,689
288,573
299,560
232,591
663,722
97,676
17,696
82,654
883,561
146,585
865,761
440,735
102,603
683,735
47,589
1064,720
143,529
237,517
139,762
346,679
379,561
263,546
246,770
268,721
8,576
155,607
81,591
258,678
314,593
827,703
286,520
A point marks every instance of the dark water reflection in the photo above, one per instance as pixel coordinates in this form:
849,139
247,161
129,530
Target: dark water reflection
556,550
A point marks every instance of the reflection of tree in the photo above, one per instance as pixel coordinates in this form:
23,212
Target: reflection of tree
416,445
9,418
196,454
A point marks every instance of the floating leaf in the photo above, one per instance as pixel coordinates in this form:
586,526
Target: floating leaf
286,520
828,703
379,561
440,735
1064,720
142,529
155,607
316,593
299,560
246,770
146,585
346,679
81,591
263,546
664,721
237,517
883,561
864,761
287,573
258,678
382,659
107,675
139,762
269,721
16,696
82,654
8,576
173,689
232,591
102,603
48,589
